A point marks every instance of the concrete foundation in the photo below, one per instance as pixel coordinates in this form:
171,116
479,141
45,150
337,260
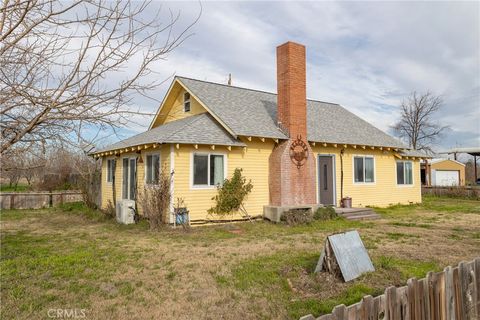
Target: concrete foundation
274,213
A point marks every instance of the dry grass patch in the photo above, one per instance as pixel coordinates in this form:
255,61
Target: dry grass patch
73,258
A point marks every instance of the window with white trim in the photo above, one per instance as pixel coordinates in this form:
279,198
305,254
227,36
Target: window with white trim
186,102
404,172
208,169
110,170
152,168
364,169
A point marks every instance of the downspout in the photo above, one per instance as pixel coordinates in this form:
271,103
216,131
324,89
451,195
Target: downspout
114,193
341,176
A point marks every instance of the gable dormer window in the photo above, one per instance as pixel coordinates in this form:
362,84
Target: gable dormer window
186,102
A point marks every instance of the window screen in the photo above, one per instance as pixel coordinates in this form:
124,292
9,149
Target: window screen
369,170
132,179
186,102
216,170
400,177
404,172
153,168
358,164
125,179
200,169
110,170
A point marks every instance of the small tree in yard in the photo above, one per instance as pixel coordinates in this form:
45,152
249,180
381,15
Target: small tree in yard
231,195
155,200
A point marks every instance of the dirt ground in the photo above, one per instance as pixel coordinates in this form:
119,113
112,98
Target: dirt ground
65,259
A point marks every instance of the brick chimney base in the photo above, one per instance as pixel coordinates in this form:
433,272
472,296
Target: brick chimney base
289,185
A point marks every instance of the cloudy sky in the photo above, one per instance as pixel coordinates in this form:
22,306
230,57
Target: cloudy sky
366,56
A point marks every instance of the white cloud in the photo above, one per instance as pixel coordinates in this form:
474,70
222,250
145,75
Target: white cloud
366,56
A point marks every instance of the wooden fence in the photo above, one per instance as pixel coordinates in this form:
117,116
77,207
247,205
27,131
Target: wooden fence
472,192
453,294
37,200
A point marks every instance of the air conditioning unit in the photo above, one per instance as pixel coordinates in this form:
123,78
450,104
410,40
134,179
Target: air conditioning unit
125,211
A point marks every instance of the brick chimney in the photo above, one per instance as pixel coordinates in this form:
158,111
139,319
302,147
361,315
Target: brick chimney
292,162
292,89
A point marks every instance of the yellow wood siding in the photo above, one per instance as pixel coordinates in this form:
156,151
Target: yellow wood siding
451,165
384,191
253,160
173,107
107,188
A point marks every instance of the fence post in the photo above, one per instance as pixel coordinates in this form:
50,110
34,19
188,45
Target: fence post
12,201
340,312
367,306
392,312
476,285
449,294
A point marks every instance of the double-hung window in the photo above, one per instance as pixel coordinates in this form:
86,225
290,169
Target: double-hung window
152,170
404,172
110,170
208,169
364,169
186,102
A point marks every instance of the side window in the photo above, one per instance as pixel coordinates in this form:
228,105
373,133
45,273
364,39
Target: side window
186,102
364,169
404,172
110,170
208,169
152,169
200,169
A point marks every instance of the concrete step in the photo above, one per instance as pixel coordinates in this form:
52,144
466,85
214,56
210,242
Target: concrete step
358,213
352,214
371,216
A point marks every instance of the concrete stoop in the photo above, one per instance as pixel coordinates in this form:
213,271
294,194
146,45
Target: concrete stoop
274,213
357,213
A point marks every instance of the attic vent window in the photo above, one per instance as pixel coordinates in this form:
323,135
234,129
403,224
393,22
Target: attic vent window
186,102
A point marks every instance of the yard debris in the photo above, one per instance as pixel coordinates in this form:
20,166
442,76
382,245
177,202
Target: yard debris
345,255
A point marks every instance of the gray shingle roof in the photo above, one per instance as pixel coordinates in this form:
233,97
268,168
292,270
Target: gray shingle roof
198,129
249,112
415,153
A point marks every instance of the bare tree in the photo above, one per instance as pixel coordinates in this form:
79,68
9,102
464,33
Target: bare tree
416,125
63,65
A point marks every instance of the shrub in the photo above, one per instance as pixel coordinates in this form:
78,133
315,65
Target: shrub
231,195
325,213
297,216
109,211
155,200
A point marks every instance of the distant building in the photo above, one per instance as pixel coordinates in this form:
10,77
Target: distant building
443,172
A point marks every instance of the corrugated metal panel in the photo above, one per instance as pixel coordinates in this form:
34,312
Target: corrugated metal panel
350,253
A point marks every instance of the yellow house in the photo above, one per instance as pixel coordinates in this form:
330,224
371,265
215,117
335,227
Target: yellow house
296,152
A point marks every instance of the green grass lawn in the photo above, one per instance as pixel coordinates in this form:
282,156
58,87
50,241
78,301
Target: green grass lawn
74,258
17,188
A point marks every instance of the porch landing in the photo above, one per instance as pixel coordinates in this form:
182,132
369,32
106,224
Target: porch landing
357,213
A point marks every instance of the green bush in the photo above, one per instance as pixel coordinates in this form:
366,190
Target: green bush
325,213
297,216
231,194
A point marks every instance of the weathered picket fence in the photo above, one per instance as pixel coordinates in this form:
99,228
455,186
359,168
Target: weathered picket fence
452,294
36,200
